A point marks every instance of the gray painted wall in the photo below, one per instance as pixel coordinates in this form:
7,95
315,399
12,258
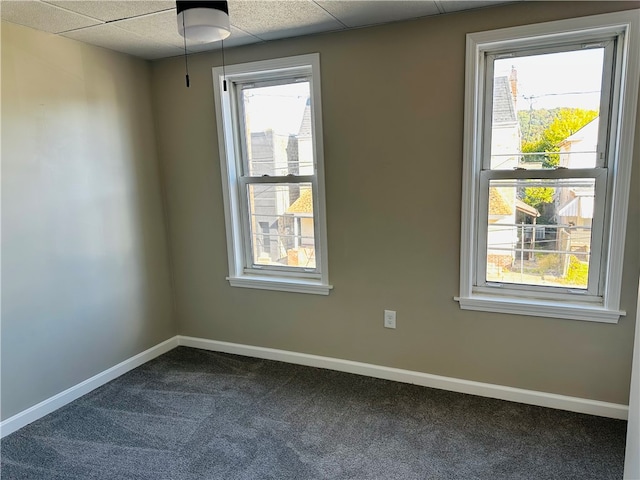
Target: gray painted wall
85,277
393,120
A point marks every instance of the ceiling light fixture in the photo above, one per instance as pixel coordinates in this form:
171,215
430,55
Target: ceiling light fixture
203,22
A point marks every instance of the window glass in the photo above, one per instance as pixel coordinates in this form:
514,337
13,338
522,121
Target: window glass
277,129
545,110
539,231
286,210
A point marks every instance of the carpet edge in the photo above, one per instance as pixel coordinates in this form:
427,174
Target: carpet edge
61,399
501,392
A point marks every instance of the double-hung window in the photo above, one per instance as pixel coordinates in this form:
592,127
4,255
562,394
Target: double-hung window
549,124
270,140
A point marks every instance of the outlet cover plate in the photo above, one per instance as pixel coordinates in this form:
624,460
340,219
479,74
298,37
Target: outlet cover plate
390,319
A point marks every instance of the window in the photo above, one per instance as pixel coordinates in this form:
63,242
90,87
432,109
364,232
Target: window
549,124
270,138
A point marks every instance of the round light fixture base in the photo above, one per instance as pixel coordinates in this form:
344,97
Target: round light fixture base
203,22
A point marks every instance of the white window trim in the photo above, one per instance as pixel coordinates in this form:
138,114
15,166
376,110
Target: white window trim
470,298
238,275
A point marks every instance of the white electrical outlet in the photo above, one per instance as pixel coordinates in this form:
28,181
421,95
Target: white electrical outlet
390,319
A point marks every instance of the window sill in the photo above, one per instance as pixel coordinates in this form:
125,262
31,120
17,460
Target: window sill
283,284
540,308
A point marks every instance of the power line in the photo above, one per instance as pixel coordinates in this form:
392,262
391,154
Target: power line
533,97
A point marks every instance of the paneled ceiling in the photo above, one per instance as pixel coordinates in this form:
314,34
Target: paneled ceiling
148,29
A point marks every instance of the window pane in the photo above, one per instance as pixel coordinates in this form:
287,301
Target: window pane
277,129
546,110
281,224
539,232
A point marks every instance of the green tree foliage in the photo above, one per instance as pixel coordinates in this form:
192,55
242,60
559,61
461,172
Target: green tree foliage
534,122
544,130
537,196
577,273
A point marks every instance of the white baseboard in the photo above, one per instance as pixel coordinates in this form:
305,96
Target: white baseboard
531,397
47,406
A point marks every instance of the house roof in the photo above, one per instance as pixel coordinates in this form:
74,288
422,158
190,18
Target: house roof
504,110
304,203
527,209
498,205
583,191
305,125
578,207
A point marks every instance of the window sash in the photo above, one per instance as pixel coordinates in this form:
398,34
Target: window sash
267,79
593,292
240,118
596,277
249,266
234,183
608,43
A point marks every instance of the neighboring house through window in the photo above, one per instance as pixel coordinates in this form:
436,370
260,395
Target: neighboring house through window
549,124
270,138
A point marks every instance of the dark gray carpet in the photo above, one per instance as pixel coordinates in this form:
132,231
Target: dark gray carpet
192,414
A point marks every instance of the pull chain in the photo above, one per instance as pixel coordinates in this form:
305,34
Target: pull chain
186,61
224,74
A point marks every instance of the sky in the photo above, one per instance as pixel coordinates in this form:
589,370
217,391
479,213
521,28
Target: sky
278,107
566,79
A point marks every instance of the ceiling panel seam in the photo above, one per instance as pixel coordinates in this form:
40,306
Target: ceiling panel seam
330,14
139,16
71,12
439,6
